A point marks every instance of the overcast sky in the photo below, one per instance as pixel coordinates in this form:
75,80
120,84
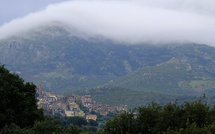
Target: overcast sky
122,20
11,9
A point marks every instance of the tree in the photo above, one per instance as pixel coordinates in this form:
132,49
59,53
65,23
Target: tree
76,121
148,118
122,124
14,129
72,130
198,112
93,122
18,103
47,126
189,118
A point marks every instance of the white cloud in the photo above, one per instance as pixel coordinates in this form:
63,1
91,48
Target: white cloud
129,20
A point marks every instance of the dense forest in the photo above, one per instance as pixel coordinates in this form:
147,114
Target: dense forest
19,115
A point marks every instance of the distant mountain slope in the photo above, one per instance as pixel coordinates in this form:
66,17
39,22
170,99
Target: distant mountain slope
63,62
191,69
141,72
113,95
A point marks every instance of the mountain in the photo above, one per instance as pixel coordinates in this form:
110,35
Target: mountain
63,62
170,77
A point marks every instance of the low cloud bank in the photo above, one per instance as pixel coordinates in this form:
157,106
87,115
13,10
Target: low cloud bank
129,21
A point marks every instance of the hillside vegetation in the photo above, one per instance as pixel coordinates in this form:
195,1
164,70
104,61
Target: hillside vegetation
190,68
113,95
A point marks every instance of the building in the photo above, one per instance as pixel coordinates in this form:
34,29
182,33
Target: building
79,113
61,98
69,113
91,117
122,108
40,91
52,98
73,106
111,109
86,100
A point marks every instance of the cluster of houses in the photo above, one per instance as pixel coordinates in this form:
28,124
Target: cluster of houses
66,105
102,109
58,104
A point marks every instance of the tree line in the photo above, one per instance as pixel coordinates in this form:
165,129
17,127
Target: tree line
189,118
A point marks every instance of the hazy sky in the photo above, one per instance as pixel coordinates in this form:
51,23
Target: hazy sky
122,20
11,9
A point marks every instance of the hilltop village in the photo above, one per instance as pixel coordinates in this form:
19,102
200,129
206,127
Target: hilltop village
72,105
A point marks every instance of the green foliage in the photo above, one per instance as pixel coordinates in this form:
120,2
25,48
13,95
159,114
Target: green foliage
18,103
75,121
193,117
72,130
148,117
202,83
93,123
122,124
14,129
90,129
48,126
